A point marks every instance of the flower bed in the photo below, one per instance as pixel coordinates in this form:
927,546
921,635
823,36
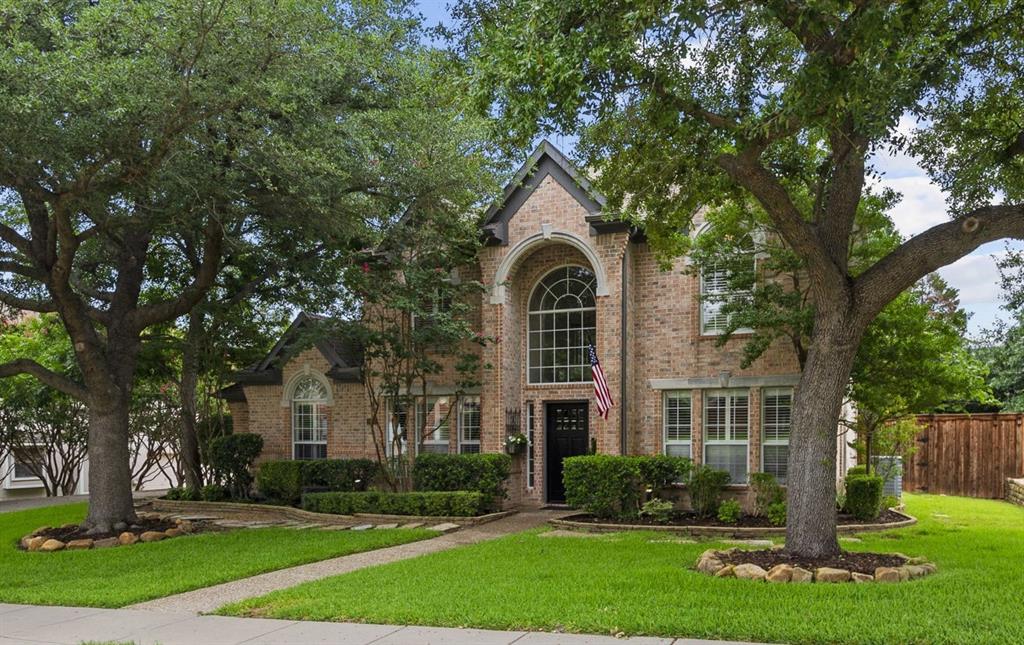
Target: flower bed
775,565
747,526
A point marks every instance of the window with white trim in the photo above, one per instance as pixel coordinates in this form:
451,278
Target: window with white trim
715,293
678,423
469,425
309,419
436,439
727,431
776,419
562,322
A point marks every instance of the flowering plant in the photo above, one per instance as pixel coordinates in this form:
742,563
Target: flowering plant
515,442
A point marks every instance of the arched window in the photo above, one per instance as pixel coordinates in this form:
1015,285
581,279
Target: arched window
562,321
309,419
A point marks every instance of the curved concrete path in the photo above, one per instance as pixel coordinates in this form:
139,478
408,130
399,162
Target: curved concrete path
209,599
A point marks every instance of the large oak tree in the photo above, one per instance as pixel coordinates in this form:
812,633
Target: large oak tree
687,103
146,147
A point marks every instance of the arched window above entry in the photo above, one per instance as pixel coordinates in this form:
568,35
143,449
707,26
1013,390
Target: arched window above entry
562,323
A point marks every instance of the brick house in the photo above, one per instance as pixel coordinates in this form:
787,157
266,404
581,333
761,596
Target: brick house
559,276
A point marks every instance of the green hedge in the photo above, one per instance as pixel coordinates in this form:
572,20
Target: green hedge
863,496
485,473
285,480
436,503
611,485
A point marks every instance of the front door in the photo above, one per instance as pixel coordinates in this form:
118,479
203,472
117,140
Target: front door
567,436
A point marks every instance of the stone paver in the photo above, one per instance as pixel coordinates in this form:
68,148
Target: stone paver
210,598
24,624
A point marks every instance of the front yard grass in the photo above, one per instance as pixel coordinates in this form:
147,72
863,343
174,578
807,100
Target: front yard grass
642,583
119,576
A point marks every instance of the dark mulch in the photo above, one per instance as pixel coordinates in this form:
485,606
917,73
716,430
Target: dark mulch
683,518
76,532
851,561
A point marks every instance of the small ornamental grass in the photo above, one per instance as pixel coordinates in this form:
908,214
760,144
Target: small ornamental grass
642,583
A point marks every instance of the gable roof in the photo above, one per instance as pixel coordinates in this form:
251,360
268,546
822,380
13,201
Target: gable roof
343,355
545,161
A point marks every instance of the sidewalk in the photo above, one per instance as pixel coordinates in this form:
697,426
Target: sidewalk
209,599
28,624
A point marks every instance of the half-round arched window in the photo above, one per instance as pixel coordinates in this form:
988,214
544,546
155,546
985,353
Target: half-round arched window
562,320
309,419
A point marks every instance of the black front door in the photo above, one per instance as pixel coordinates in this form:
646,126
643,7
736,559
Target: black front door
567,436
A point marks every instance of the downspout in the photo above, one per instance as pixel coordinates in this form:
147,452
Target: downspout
623,354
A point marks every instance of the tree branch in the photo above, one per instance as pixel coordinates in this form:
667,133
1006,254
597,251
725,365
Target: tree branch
27,304
935,248
45,376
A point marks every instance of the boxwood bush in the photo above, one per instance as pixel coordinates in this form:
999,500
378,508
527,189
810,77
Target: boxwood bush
485,473
285,480
434,503
608,486
231,458
863,496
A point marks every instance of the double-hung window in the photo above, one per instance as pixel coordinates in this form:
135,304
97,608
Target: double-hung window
727,431
309,419
469,425
437,431
776,418
678,424
715,293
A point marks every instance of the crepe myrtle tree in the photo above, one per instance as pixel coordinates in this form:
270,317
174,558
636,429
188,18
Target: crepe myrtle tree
416,298
684,103
145,142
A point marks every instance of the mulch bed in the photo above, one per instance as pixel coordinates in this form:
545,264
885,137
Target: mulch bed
683,518
69,532
851,561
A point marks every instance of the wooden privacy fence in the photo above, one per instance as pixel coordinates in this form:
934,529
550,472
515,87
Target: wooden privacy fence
966,454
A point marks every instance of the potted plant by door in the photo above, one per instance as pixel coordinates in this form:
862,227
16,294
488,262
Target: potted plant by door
515,443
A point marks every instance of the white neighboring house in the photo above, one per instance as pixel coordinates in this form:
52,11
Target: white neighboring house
18,482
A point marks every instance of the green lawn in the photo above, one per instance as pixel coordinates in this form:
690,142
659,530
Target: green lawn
120,576
640,583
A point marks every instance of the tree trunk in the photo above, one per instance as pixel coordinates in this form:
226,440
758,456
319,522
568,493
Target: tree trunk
811,480
110,475
190,460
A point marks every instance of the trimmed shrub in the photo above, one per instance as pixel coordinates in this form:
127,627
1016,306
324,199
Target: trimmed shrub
767,491
433,503
183,494
609,486
863,496
280,481
857,470
776,514
214,493
706,486
659,510
341,475
729,511
484,473
231,457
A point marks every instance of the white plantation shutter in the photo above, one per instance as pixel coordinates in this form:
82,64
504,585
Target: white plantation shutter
726,430
776,419
714,286
678,423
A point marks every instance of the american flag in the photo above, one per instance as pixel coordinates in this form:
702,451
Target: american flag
601,391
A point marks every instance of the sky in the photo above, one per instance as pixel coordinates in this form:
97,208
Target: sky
923,205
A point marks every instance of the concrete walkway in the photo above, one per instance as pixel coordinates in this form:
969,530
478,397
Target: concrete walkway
210,598
25,503
25,624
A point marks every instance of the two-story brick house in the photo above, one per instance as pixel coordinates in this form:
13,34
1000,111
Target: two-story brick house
559,277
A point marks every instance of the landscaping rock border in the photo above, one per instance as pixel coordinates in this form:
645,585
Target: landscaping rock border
721,531
37,540
711,563
242,511
1015,491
